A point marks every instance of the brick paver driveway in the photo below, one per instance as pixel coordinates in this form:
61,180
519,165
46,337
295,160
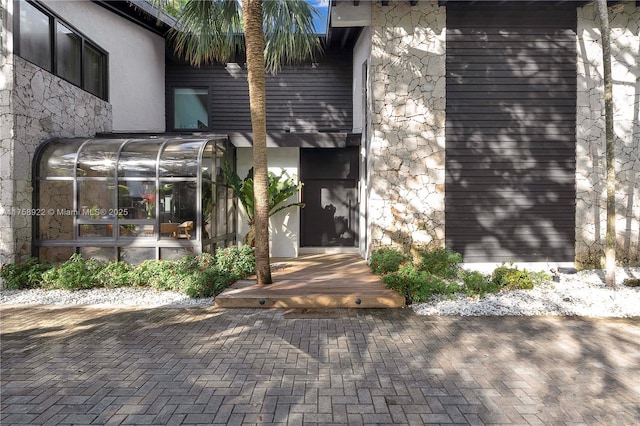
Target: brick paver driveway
184,366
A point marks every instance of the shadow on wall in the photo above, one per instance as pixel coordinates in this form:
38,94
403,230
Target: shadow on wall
591,215
510,132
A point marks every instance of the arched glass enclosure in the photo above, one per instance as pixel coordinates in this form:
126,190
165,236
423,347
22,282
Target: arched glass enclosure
132,199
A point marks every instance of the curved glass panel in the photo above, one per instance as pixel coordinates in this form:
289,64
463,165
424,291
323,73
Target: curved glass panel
58,158
137,199
98,158
178,210
95,199
126,199
56,198
180,159
138,159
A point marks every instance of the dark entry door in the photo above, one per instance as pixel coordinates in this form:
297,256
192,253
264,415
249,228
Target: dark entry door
330,194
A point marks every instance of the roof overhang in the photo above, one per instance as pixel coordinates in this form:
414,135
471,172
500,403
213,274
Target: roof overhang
140,12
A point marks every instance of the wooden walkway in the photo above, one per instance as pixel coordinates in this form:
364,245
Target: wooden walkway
314,281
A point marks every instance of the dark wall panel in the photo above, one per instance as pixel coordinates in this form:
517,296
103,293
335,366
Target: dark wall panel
308,97
510,132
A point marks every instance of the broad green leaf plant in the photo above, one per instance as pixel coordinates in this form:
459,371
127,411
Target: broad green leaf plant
281,188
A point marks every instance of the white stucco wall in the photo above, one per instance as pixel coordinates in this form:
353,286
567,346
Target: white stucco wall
136,63
362,124
284,226
361,53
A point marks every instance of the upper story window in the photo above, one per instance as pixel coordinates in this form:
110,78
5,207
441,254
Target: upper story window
190,108
52,44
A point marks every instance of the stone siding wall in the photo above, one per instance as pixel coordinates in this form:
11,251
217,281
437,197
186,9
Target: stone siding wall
42,106
6,131
407,75
590,150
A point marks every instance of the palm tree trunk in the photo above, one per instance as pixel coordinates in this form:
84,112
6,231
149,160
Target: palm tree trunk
610,239
254,40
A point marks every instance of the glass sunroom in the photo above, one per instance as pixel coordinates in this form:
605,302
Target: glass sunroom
132,199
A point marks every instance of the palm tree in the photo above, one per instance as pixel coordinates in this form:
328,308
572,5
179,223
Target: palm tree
610,238
276,32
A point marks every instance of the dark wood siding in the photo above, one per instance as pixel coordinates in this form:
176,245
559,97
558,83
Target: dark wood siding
304,98
510,133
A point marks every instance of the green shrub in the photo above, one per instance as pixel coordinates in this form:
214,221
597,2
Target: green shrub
161,275
76,273
239,262
418,286
194,276
476,283
115,274
442,262
512,278
204,275
386,260
23,275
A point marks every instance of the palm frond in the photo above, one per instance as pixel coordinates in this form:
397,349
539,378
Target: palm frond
289,33
208,31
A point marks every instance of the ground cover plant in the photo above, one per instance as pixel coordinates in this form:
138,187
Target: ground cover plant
204,275
438,272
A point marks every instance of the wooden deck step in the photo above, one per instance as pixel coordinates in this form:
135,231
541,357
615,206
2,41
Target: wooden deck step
314,281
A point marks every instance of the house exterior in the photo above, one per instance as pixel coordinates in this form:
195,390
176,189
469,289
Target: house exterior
122,91
426,123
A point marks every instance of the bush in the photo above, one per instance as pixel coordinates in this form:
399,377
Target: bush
23,275
197,276
418,286
114,274
76,273
512,278
441,262
386,260
239,262
476,283
204,275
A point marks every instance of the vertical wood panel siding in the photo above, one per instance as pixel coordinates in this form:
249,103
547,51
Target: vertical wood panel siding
301,98
510,132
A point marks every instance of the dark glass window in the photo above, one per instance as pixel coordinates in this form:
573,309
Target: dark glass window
190,108
95,65
35,36
68,56
76,59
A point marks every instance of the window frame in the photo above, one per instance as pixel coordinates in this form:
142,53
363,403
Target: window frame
54,20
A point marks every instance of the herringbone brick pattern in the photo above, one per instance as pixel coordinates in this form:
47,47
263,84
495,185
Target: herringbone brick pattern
208,366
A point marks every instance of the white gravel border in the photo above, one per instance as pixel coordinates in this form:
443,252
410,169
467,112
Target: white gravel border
580,294
100,297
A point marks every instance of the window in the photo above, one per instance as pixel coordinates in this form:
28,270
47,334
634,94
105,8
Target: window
133,199
190,106
95,65
35,36
52,44
68,48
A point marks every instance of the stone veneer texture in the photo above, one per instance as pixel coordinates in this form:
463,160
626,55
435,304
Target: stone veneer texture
590,150
39,106
407,75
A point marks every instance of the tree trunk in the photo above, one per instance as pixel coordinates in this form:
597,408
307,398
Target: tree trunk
610,239
254,40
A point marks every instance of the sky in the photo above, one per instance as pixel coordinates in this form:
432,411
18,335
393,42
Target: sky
322,20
